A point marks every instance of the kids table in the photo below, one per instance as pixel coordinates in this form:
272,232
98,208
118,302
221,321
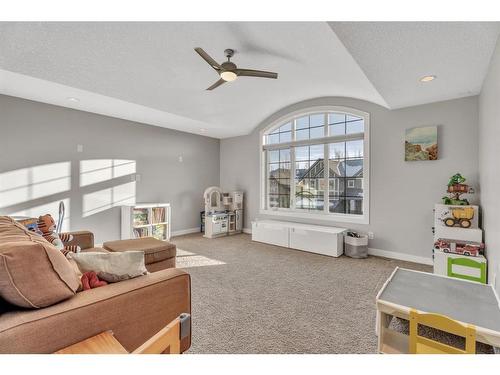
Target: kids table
461,300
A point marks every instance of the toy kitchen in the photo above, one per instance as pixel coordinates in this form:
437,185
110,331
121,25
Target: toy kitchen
223,214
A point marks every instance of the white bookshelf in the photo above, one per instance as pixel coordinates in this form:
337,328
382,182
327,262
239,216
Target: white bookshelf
146,220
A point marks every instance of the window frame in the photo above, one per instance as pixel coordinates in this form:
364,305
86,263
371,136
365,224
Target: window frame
292,212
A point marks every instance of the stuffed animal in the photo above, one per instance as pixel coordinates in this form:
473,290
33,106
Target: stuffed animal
47,226
90,280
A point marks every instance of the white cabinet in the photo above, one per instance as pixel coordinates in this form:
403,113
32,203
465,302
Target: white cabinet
317,240
312,238
270,232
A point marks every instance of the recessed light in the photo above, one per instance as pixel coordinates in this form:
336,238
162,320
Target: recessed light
73,99
428,78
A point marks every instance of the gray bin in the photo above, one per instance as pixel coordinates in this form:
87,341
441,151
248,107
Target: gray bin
355,247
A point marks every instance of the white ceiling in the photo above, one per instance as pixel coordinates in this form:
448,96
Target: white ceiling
395,55
149,72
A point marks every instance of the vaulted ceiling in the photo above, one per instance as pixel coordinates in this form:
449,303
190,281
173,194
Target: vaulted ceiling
149,72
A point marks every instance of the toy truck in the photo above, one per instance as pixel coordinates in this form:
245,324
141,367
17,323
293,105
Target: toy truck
459,247
461,216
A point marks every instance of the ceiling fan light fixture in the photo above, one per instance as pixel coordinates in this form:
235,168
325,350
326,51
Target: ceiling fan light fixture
228,71
228,76
428,78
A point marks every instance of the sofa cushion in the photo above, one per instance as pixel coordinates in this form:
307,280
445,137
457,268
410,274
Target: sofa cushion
111,267
154,250
33,273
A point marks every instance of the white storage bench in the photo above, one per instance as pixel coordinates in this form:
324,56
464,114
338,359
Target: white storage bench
312,238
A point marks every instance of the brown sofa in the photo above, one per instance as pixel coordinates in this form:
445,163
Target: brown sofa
133,309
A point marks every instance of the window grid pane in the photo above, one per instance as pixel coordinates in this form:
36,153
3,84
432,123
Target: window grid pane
283,134
309,177
279,177
346,177
344,183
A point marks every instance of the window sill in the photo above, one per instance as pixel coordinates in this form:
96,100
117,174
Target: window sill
339,218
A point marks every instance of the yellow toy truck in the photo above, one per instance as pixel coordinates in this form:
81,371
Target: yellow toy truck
461,216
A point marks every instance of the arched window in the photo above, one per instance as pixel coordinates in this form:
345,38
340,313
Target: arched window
315,163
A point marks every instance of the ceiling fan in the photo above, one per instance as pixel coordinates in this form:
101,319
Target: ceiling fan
228,71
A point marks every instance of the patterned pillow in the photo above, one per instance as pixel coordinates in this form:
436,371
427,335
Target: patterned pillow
31,224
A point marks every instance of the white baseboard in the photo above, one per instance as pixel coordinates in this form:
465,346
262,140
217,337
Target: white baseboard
371,251
400,256
185,231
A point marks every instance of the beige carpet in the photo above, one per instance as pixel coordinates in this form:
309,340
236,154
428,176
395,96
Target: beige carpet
249,297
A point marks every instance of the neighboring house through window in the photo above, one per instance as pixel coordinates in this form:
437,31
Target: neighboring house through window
316,163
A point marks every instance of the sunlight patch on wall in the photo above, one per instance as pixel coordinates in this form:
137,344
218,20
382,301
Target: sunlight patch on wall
105,199
48,208
99,170
23,185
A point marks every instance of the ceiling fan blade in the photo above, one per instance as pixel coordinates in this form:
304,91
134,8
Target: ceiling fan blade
255,73
205,56
216,84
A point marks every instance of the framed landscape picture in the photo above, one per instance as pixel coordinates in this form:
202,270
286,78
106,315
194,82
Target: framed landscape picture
421,143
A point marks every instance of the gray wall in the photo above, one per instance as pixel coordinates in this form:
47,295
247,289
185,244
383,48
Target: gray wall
36,134
489,157
402,194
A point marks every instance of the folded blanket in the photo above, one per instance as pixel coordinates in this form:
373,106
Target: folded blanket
91,281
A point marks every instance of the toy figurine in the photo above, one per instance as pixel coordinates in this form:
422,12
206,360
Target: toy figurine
47,226
459,247
460,216
456,188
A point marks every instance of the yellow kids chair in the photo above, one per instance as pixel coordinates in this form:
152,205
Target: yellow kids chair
423,345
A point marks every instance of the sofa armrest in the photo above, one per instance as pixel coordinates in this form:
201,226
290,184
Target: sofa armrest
84,239
134,310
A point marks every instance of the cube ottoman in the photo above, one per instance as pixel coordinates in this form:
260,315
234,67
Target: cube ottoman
158,255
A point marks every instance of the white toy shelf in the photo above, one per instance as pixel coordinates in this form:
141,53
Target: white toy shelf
146,220
463,227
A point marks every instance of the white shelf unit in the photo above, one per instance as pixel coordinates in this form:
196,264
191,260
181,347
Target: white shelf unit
446,264
312,238
146,220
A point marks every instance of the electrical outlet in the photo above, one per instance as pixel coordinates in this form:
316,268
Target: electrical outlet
79,148
371,235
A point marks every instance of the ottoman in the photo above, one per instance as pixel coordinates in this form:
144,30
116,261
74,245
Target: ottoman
158,255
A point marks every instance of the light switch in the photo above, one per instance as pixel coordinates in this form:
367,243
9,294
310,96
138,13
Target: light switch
181,159
79,148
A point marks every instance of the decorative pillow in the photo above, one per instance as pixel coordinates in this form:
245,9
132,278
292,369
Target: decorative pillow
31,224
33,273
111,267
